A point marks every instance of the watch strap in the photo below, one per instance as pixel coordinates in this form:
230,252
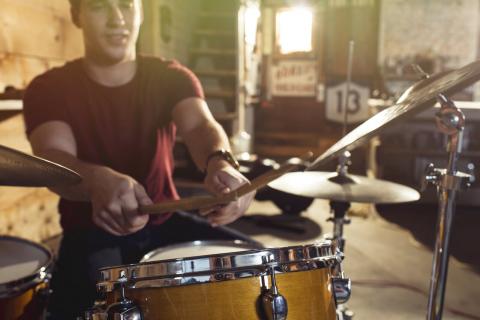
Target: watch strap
225,155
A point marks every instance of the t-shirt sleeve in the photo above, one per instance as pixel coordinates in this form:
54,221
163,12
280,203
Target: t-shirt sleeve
43,102
182,84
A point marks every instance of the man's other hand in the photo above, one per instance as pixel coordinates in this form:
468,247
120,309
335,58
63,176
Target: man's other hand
115,200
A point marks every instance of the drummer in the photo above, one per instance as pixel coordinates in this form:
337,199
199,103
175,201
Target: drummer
112,116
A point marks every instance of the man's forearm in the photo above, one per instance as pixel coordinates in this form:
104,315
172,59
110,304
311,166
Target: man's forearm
204,140
79,192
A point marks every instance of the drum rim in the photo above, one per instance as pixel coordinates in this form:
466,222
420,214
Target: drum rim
41,274
164,273
236,243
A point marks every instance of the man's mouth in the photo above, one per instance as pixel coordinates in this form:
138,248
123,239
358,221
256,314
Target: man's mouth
117,38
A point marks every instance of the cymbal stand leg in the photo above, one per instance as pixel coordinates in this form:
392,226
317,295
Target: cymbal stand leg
450,120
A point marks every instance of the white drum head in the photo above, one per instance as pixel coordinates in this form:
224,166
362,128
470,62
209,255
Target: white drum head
197,248
20,259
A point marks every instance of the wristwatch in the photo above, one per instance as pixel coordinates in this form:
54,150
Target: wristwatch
225,155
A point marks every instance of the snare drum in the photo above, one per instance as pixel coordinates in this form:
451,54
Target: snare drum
250,284
24,275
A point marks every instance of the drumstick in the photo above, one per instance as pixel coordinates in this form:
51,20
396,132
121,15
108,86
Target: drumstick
203,202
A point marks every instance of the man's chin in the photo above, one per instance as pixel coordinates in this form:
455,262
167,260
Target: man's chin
112,57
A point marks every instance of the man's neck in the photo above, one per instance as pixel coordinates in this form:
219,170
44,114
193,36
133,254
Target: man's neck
113,75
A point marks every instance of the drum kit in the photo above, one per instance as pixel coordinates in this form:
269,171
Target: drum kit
237,280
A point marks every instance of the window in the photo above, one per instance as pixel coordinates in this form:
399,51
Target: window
294,30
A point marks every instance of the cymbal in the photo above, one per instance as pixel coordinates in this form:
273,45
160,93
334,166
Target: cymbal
23,170
415,99
352,188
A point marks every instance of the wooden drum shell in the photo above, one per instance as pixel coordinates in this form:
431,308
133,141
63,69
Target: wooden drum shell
30,304
308,294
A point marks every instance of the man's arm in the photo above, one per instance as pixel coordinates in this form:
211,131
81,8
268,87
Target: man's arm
203,135
115,197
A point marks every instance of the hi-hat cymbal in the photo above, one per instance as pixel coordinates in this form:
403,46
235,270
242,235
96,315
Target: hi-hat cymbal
416,99
351,188
23,170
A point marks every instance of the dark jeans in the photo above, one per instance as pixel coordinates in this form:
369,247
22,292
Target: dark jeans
83,253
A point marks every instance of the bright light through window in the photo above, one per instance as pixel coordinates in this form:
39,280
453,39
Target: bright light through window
294,30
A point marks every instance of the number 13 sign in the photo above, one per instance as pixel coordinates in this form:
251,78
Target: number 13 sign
357,103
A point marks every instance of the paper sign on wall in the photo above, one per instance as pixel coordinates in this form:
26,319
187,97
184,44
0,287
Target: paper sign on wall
293,79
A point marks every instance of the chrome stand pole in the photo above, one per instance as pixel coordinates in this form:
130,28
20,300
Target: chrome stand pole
451,121
340,208
339,219
342,285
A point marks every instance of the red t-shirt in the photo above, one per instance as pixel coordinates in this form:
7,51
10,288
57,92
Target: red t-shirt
128,128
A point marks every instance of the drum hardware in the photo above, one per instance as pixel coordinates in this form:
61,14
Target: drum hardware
343,313
23,170
351,47
450,121
124,308
339,219
97,312
274,305
343,289
342,286
340,208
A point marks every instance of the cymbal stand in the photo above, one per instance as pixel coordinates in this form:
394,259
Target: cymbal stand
342,285
450,120
339,219
340,208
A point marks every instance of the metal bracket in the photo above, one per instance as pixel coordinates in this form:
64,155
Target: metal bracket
342,289
274,305
123,309
440,178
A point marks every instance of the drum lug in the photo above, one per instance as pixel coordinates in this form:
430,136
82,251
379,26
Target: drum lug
124,309
274,305
97,312
342,289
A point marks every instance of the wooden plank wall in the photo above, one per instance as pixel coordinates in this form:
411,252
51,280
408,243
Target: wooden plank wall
35,35
29,213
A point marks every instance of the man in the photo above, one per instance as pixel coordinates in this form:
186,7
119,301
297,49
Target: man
112,116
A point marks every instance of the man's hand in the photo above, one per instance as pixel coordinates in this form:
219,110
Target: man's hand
223,178
115,199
